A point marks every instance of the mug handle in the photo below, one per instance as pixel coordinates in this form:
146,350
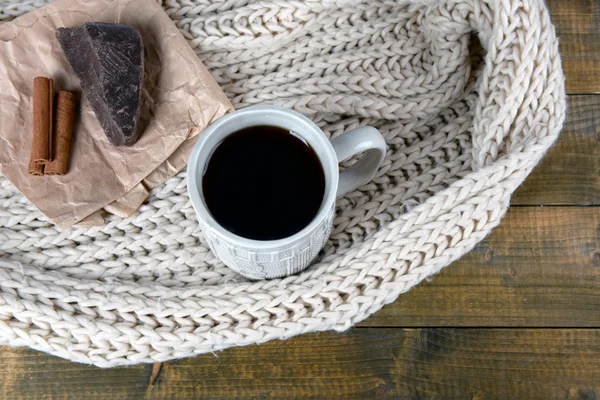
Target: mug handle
367,139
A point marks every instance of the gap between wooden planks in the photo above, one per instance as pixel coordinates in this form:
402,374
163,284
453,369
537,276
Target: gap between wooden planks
359,364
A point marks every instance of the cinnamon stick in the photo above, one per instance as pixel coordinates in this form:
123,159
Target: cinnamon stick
35,169
63,124
41,145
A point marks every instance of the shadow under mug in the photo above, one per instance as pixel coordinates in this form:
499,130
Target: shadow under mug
258,259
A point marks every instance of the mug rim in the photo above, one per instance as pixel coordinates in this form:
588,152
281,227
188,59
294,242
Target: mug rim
195,191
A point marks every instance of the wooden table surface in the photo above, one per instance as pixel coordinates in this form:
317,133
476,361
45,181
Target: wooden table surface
517,318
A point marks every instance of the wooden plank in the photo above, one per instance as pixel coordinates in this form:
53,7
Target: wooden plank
570,172
397,363
362,363
578,28
28,374
540,267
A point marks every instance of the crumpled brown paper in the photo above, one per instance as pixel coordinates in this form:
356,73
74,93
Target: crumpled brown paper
180,96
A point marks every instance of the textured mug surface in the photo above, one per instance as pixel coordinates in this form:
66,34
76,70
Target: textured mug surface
263,259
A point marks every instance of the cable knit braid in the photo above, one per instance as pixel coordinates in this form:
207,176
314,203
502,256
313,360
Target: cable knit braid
469,95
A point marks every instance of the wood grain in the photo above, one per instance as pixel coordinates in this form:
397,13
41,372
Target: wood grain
396,363
578,29
540,267
28,374
570,172
382,363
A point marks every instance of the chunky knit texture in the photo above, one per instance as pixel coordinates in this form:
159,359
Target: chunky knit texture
469,95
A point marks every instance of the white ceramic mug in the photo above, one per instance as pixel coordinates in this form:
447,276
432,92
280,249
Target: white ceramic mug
257,259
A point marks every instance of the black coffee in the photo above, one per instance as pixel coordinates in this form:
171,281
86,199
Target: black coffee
263,183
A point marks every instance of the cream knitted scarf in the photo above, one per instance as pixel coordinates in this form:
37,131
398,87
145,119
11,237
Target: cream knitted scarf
469,95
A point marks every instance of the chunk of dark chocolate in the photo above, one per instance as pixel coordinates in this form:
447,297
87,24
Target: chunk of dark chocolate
109,61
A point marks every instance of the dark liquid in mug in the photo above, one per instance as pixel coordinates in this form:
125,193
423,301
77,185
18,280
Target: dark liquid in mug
263,183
